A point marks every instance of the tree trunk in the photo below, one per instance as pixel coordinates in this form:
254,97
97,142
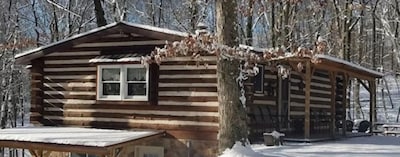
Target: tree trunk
249,24
357,104
193,9
99,12
273,33
55,34
374,36
232,114
226,22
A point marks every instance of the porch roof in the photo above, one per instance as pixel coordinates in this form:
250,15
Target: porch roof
73,139
327,62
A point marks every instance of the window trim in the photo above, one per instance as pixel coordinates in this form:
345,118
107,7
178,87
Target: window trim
123,96
86,154
260,71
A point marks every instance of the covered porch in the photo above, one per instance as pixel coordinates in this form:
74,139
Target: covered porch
61,141
317,97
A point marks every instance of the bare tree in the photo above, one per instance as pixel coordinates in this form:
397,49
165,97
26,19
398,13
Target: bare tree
99,12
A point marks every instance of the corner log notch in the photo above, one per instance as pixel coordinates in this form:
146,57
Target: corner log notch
332,78
307,100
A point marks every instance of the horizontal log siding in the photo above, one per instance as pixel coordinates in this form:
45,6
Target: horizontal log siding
36,111
320,103
187,102
297,94
187,84
340,110
262,107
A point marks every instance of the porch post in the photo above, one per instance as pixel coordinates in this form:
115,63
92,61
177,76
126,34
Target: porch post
344,102
333,102
372,103
307,101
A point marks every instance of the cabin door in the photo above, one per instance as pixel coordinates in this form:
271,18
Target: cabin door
283,110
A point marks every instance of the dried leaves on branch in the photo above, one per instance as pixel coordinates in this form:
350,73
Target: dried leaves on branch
196,46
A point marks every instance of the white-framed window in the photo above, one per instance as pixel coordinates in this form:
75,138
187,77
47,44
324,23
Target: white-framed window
149,151
259,80
123,82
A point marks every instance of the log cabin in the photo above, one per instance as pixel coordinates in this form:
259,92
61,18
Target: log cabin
96,80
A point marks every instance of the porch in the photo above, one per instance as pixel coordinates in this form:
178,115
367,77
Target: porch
312,101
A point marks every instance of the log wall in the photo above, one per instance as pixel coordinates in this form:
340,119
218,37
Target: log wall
320,101
186,99
262,107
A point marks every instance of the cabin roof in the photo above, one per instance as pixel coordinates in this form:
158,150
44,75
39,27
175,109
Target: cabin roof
335,63
65,137
117,27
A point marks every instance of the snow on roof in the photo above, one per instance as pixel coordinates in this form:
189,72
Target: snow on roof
65,40
251,48
129,57
157,29
321,56
355,66
147,27
73,136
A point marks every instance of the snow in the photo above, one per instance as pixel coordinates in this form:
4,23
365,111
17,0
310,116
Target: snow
371,146
108,60
157,29
73,136
238,150
275,134
355,66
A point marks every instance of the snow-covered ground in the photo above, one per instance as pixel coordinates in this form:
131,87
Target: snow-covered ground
370,146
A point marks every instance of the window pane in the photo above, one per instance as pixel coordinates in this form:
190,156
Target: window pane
136,74
78,155
111,88
111,74
150,155
136,89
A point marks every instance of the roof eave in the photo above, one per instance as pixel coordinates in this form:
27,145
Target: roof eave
27,56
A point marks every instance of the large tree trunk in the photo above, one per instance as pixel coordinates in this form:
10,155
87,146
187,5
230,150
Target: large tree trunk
226,22
232,123
232,114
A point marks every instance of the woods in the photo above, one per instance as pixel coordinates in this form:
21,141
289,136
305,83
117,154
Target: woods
365,32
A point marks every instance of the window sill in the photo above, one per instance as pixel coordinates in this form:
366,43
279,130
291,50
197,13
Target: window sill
122,102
